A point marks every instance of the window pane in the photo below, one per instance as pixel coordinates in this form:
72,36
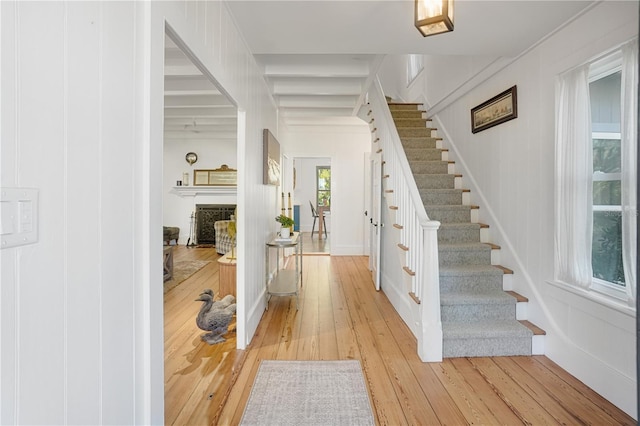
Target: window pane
324,198
323,189
607,247
324,178
606,155
607,193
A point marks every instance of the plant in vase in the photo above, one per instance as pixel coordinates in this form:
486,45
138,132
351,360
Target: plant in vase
286,224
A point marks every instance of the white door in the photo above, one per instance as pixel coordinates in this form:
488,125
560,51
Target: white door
375,218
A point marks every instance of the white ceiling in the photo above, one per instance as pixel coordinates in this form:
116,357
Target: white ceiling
318,55
495,28
194,109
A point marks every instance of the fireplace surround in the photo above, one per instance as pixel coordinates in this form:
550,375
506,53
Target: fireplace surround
206,216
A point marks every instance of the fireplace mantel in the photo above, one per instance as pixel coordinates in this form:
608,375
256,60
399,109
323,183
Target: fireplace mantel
192,191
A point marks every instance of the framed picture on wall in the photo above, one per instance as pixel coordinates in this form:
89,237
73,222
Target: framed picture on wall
271,158
502,107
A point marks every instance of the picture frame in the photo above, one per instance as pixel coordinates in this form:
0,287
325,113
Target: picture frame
497,110
271,159
223,176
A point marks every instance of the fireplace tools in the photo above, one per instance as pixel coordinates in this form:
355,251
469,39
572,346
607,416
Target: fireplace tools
192,231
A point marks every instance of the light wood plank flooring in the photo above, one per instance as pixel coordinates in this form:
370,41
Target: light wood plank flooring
315,245
341,316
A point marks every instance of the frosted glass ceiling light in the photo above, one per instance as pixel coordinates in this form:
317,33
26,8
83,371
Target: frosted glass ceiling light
434,16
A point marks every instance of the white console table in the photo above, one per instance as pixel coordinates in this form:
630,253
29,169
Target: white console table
284,282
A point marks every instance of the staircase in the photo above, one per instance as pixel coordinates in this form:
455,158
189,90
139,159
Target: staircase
478,317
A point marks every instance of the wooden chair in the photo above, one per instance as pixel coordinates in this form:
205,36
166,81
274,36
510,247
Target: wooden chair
315,214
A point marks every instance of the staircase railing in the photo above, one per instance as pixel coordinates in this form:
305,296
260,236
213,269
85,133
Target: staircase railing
418,234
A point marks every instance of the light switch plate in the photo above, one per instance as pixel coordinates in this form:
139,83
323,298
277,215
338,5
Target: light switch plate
18,216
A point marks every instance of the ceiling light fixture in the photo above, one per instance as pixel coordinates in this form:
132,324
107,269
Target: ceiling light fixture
434,16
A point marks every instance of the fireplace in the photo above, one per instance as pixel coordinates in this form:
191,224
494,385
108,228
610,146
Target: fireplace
206,216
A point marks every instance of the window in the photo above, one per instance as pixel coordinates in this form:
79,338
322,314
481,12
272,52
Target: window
596,175
606,247
414,66
323,186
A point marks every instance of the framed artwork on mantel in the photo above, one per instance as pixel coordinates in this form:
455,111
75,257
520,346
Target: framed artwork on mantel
502,107
224,176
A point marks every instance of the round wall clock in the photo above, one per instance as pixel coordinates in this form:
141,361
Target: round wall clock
191,158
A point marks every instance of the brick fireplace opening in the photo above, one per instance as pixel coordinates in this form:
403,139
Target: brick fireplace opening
206,216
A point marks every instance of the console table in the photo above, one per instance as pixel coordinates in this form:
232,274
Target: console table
284,282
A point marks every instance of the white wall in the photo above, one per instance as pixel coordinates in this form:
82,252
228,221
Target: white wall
346,147
510,169
81,120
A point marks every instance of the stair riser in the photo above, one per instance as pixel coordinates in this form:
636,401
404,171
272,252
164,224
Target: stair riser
431,197
431,167
403,107
486,347
406,114
419,143
412,131
478,256
447,235
470,283
480,312
423,154
409,122
435,181
447,215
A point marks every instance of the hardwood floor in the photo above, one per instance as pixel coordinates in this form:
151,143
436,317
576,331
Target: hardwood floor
315,245
341,316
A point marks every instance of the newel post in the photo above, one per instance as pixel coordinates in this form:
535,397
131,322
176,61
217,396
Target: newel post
430,336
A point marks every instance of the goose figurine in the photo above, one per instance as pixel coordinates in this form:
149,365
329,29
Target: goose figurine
214,319
226,301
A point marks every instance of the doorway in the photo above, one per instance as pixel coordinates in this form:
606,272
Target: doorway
201,128
312,195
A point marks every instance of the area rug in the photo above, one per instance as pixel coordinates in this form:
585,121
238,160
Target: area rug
183,269
308,393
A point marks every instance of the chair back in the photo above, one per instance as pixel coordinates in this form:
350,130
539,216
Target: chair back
313,209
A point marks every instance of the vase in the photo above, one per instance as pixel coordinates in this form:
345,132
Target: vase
285,232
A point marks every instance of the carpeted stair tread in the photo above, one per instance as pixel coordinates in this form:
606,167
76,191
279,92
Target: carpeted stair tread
485,297
459,232
469,270
434,181
397,106
423,154
419,143
472,246
410,122
445,213
416,131
440,197
484,329
404,139
408,113
429,167
460,225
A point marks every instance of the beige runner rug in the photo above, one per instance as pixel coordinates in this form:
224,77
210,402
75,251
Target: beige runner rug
308,393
